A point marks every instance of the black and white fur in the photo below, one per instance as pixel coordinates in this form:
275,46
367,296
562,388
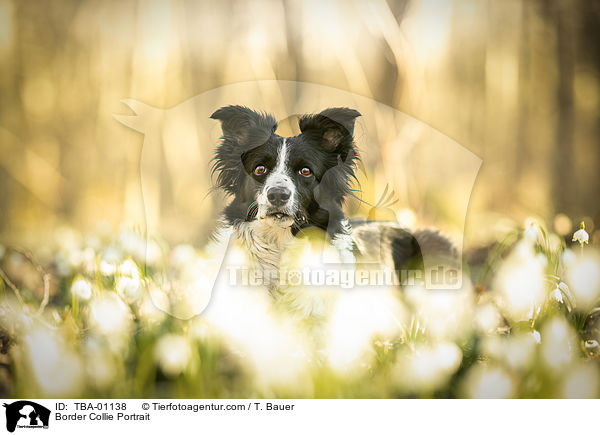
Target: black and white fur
281,186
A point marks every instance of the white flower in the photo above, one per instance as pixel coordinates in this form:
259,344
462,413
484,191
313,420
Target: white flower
431,366
565,288
130,269
531,233
130,289
557,295
149,313
133,244
81,289
489,383
89,258
581,235
112,254
487,318
581,382
520,281
75,258
109,315
107,269
536,336
173,353
584,279
52,363
519,350
153,252
182,298
558,345
562,294
568,257
182,254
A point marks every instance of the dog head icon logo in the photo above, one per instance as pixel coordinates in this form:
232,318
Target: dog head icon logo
26,414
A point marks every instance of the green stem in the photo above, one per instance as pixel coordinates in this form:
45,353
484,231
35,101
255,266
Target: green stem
75,305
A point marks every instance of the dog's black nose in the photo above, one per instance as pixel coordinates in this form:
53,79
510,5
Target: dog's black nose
278,196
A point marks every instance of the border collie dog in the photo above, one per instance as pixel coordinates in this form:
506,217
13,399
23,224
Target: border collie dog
281,186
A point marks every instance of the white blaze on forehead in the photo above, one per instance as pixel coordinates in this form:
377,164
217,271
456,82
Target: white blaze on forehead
280,174
280,168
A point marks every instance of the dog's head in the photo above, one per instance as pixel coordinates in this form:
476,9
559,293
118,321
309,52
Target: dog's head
293,182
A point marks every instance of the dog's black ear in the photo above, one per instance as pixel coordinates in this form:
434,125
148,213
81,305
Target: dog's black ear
241,124
334,127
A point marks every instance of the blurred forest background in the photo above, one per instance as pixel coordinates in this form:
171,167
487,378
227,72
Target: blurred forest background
515,82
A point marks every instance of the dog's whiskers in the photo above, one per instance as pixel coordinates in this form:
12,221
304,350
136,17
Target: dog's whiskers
252,211
299,221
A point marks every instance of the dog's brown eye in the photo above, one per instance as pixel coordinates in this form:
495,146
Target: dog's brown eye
260,170
305,172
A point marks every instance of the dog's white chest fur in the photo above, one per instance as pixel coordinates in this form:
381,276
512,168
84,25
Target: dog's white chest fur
265,244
